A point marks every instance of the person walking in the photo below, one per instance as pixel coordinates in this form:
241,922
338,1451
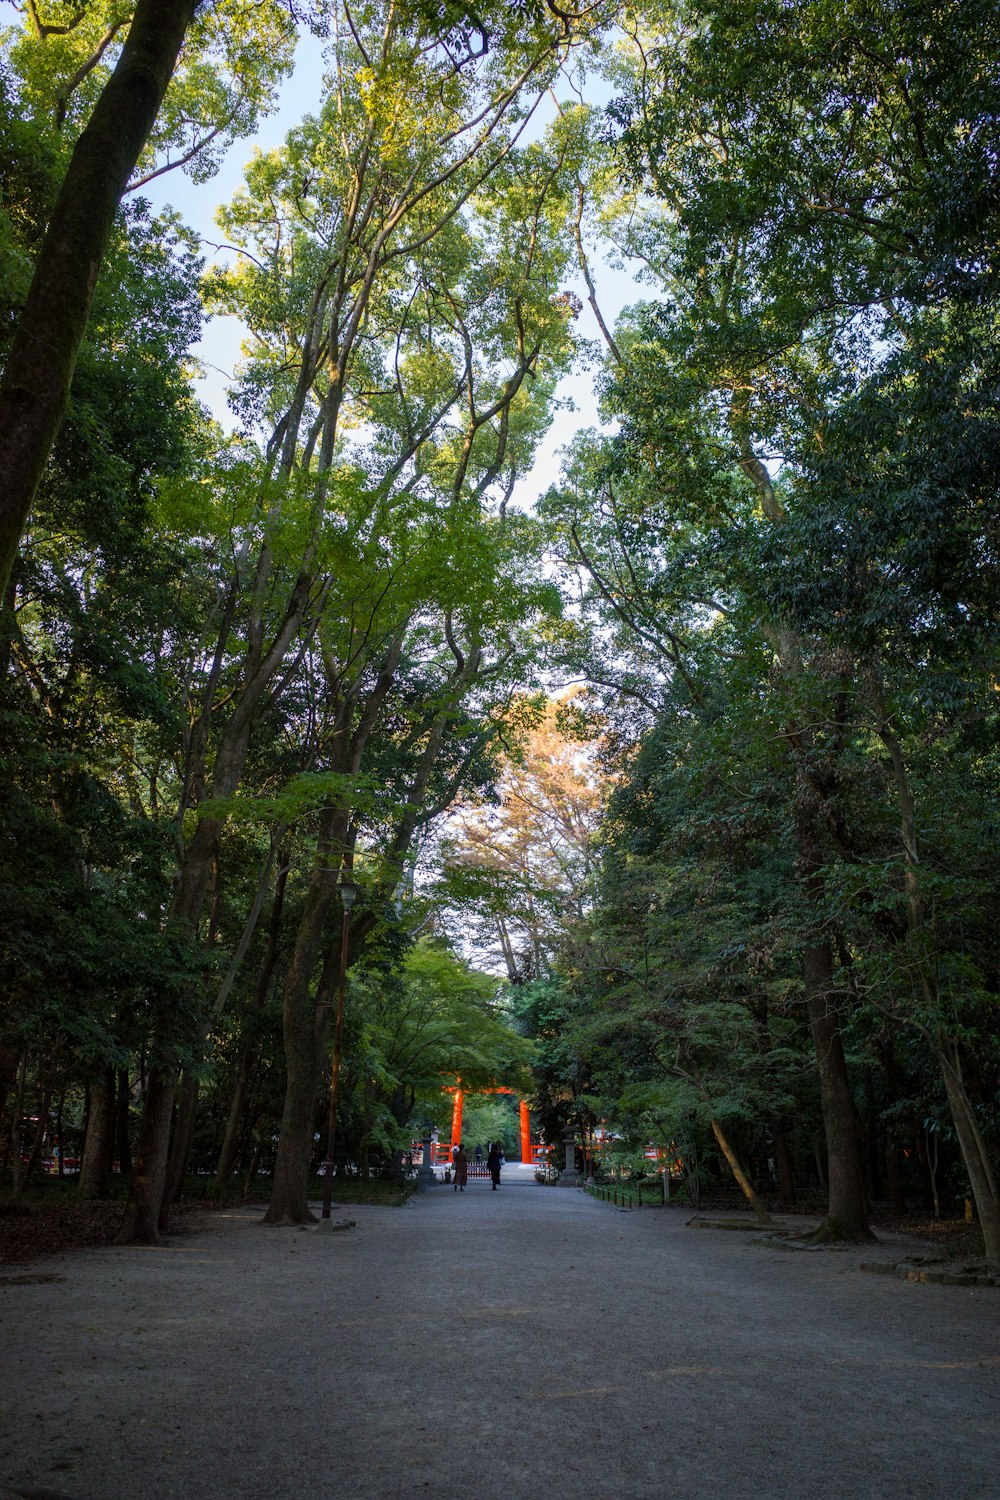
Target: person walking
461,1168
494,1162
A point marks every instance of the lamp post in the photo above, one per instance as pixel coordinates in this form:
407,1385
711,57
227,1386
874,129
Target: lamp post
348,891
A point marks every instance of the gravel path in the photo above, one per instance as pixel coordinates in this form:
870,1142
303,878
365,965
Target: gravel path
531,1344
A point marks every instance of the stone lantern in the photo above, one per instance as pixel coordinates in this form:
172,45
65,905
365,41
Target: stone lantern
569,1176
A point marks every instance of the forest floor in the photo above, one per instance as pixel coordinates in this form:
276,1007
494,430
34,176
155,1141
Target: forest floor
54,1222
532,1342
44,1228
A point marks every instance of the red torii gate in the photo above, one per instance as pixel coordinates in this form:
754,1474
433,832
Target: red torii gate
527,1150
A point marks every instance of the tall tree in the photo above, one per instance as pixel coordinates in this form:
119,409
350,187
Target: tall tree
379,303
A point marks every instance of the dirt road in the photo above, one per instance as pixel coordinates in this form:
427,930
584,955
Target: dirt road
530,1344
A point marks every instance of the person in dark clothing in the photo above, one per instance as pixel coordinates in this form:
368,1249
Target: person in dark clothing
494,1161
460,1166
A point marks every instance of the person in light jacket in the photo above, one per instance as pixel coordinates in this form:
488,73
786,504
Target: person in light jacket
460,1167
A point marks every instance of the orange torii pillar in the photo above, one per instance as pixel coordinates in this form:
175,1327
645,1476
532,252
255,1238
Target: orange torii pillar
526,1154
456,1120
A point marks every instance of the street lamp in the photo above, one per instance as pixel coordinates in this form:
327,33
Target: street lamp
348,891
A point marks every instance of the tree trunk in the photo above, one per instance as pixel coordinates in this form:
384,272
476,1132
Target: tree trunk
180,1151
36,383
123,1102
302,1034
59,1132
248,1048
847,1207
974,1153
17,1128
289,1186
847,1202
196,868
364,1154
752,1196
783,1162
933,1158
95,1163
8,1075
38,1140
923,1162
306,1027
234,1119
874,1155
252,1166
893,1176
140,1225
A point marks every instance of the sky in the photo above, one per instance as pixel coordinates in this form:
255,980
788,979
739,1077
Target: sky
219,349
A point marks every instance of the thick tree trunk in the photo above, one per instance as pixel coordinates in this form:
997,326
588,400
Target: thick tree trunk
289,1187
305,1021
95,1163
847,1206
306,1026
140,1225
36,383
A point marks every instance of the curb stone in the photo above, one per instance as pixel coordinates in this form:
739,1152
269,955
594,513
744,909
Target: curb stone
918,1271
697,1223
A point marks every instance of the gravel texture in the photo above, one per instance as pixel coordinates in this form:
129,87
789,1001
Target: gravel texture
531,1344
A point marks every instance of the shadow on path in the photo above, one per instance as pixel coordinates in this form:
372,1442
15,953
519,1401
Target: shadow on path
526,1345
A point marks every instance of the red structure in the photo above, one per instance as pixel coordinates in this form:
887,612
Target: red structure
443,1152
456,1117
526,1154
